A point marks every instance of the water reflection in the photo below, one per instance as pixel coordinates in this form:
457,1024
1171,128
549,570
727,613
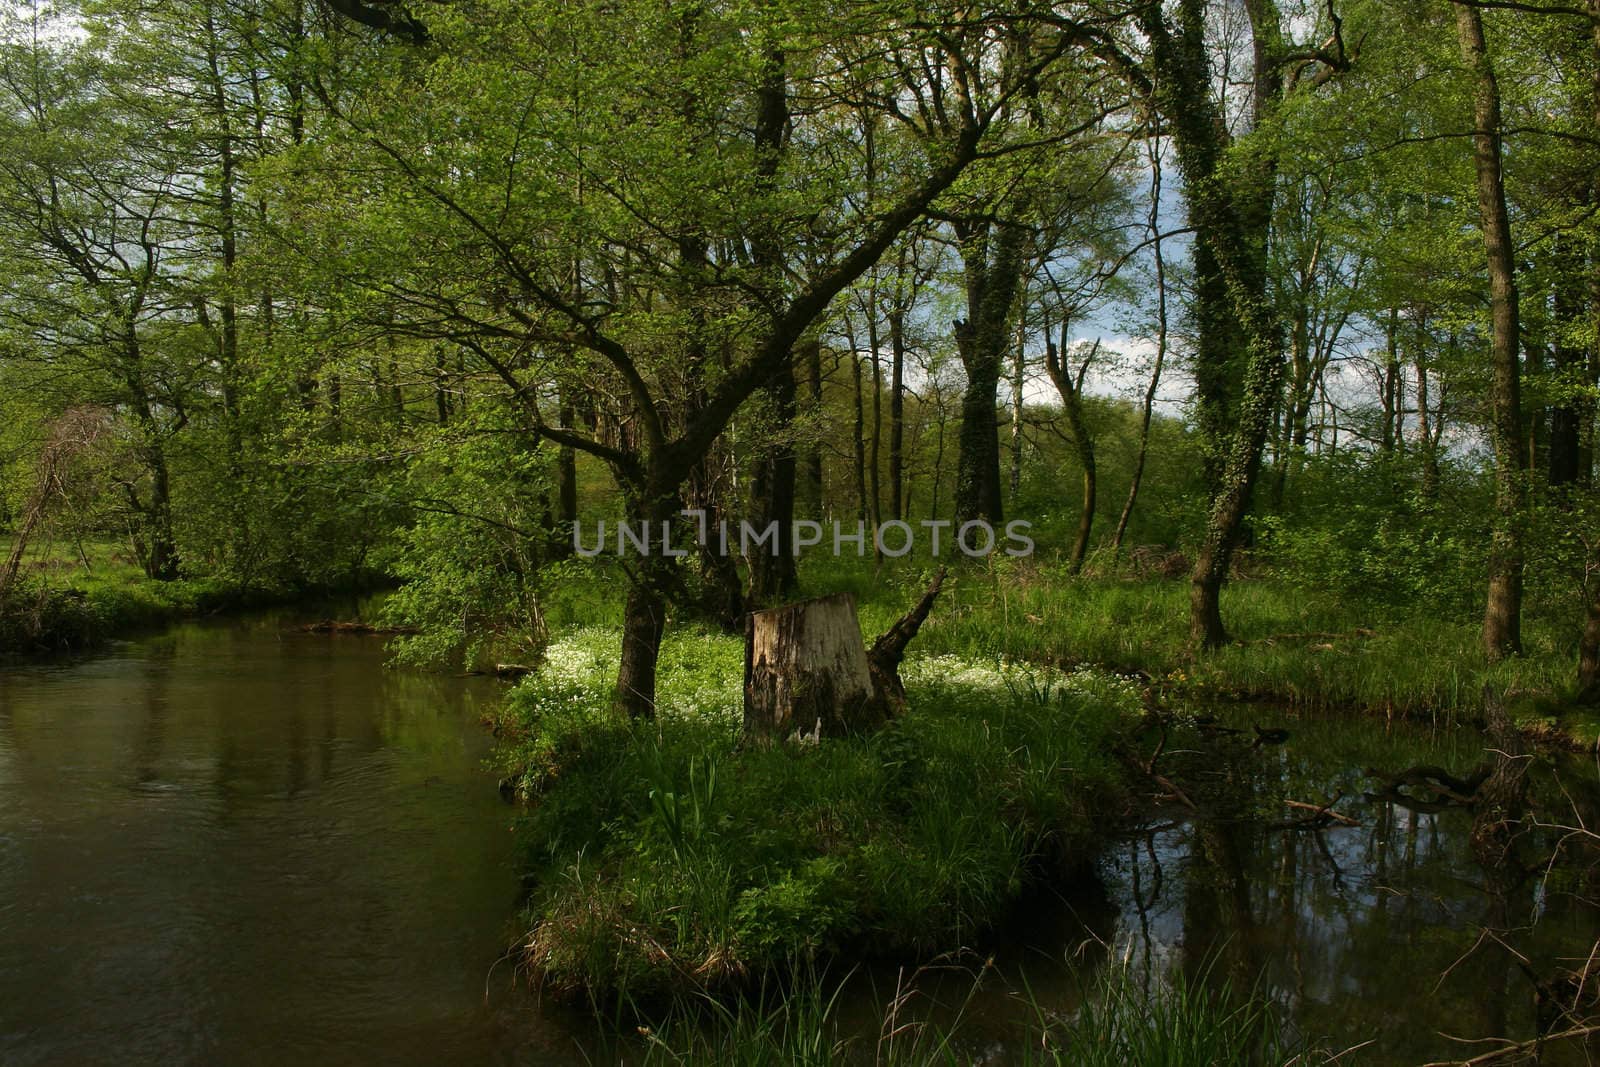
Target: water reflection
236,844
1365,933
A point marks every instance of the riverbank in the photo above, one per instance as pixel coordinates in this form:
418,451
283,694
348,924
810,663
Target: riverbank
666,858
63,605
720,904
1301,651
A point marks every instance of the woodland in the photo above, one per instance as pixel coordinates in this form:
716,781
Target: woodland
1275,323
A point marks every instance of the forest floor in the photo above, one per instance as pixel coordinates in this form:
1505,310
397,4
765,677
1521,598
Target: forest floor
1288,647
1303,650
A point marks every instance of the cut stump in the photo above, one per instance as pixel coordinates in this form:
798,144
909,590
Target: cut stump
808,673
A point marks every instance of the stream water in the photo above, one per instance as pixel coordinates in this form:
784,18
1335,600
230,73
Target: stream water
233,842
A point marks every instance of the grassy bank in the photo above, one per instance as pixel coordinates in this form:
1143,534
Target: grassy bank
72,602
1308,649
1119,1020
666,857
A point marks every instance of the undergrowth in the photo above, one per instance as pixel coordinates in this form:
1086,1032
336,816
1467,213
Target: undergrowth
1118,1020
666,856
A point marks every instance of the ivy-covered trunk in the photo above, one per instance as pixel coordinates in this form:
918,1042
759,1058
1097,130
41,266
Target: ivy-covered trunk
993,277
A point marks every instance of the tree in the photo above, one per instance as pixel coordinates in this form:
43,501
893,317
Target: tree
1502,619
658,246
93,185
1229,186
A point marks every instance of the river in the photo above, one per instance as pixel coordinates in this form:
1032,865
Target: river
232,842
235,842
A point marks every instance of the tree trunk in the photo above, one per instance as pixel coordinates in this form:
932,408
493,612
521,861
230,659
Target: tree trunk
643,622
993,277
862,510
1230,210
1567,415
897,414
1018,381
1502,619
1427,424
566,482
772,573
1161,348
1228,509
721,593
978,458
1071,390
1589,655
814,482
1392,390
874,448
161,560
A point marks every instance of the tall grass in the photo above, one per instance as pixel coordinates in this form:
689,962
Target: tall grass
1290,646
1121,1021
669,857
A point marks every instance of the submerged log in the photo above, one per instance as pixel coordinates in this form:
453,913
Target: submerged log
808,673
344,626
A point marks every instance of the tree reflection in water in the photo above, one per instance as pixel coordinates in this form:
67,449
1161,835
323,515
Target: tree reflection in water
1436,915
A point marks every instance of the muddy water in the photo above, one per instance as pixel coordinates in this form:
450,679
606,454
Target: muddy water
237,843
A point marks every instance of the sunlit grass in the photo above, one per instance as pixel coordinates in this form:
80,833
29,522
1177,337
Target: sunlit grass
1289,645
71,595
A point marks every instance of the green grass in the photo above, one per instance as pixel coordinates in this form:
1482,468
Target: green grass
1287,646
67,600
1309,649
667,857
1120,1021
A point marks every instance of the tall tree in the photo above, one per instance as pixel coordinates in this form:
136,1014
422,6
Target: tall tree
1229,187
1502,619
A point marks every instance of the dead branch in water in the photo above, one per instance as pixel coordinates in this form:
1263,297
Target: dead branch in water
1322,816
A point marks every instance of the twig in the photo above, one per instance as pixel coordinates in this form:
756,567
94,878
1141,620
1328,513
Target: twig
1324,811
1518,1048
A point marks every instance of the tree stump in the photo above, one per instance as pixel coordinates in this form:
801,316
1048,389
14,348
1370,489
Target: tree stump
808,673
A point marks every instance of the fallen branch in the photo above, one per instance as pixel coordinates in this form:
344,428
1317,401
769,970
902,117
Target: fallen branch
1512,1048
338,626
1321,813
